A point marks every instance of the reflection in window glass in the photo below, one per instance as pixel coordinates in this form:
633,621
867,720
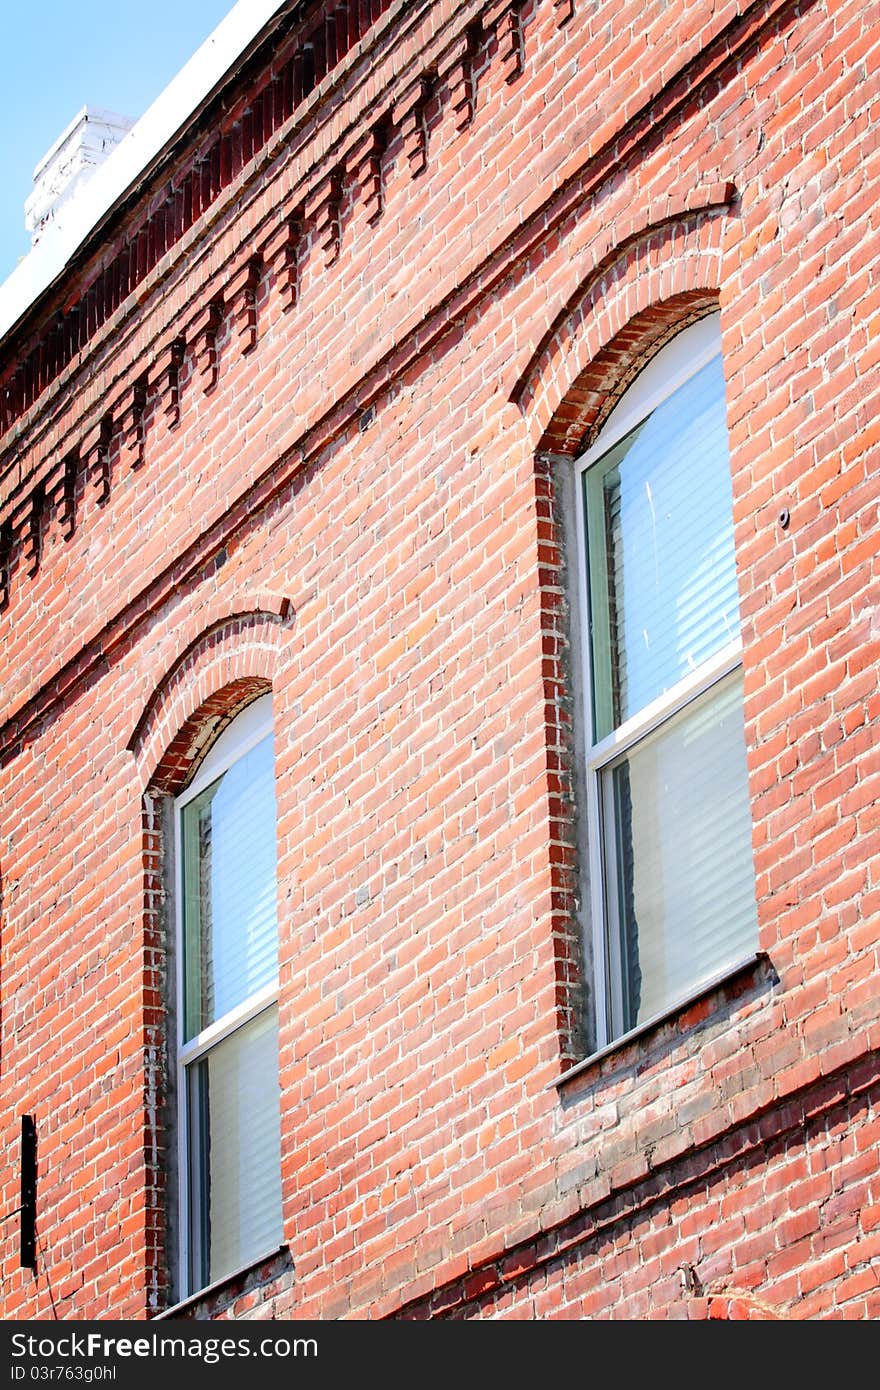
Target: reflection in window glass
230,889
662,578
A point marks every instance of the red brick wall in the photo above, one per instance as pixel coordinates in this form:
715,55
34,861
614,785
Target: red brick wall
364,511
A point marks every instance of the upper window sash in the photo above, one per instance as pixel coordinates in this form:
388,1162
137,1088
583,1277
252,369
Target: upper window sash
656,572
230,932
246,732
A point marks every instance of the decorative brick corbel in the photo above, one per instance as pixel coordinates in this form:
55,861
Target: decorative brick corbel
564,11
410,117
457,71
202,333
10,400
32,538
280,252
6,538
68,494
134,431
241,296
507,18
129,411
166,375
60,492
324,209
95,452
365,169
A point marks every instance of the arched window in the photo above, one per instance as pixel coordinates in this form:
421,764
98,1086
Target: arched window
227,1015
672,878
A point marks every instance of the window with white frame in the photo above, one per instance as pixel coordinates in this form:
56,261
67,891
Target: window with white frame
228,1086
671,871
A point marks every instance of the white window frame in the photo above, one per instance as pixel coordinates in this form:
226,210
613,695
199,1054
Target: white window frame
679,360
244,733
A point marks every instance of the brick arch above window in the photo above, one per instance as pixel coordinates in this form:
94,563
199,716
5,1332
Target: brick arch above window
229,664
631,304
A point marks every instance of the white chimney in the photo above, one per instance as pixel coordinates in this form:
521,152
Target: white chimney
70,163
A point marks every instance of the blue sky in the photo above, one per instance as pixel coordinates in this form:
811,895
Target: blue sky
60,55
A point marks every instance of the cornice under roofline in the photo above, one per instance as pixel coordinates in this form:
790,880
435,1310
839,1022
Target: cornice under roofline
135,157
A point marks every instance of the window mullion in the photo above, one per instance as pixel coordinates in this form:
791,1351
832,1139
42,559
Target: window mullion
670,703
224,1027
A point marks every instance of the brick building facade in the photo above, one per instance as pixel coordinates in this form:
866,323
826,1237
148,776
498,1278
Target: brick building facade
314,410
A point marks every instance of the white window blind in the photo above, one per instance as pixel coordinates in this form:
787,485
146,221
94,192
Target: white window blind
230,889
235,1151
678,869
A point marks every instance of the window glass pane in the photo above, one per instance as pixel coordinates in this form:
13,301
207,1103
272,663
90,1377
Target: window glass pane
663,591
230,933
235,1149
678,860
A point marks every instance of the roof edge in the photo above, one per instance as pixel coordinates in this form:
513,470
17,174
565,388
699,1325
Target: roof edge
151,134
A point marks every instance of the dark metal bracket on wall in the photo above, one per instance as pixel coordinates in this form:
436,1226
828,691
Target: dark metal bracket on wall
28,1209
27,1205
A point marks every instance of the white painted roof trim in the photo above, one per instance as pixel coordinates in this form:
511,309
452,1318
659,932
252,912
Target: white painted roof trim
158,126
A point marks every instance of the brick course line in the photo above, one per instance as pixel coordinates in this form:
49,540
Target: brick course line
550,1242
